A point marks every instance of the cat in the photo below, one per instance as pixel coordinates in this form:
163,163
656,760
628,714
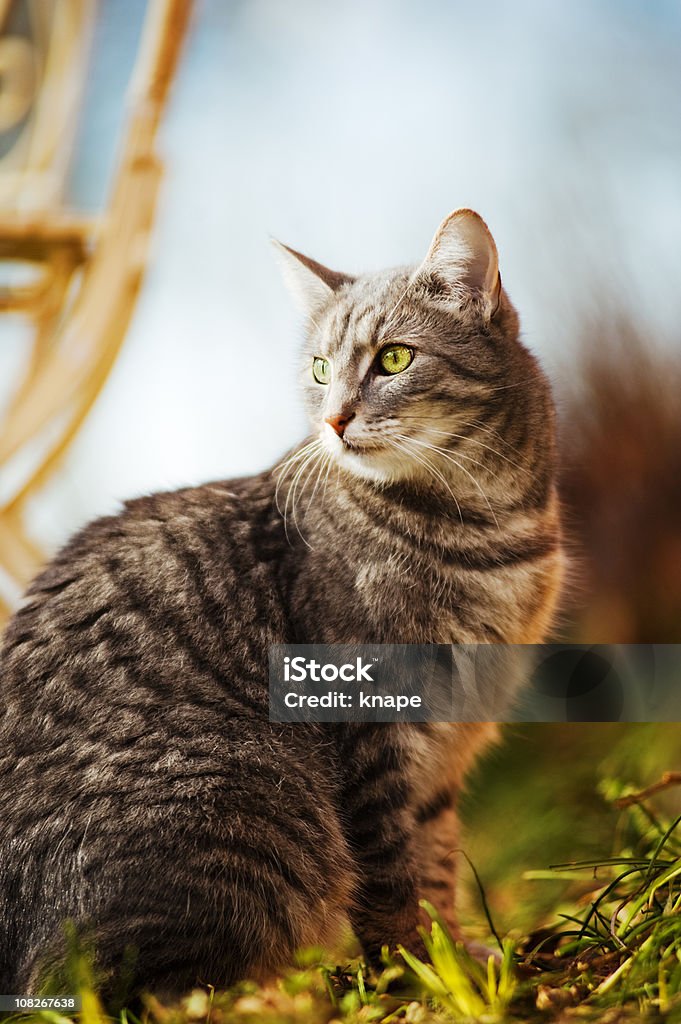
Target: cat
144,795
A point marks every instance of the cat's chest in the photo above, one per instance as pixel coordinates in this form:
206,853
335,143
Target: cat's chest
414,601
441,753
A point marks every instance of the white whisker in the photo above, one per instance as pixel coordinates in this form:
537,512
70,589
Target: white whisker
399,301
427,464
447,455
495,433
324,457
302,481
464,437
312,453
326,478
283,469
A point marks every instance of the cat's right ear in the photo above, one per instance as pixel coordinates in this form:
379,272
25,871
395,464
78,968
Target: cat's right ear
463,260
311,284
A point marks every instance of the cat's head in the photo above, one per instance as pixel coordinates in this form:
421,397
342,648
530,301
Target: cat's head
401,368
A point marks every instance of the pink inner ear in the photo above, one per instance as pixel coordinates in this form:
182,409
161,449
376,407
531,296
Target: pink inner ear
463,254
477,270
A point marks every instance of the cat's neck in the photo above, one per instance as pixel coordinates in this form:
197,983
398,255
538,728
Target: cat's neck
372,562
438,513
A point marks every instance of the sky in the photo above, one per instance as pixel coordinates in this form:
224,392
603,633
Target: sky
349,131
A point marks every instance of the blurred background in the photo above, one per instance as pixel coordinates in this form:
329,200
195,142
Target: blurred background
159,346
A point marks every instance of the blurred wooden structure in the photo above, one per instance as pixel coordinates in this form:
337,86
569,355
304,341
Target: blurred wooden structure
74,278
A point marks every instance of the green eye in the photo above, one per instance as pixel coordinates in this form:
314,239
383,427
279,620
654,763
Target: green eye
321,370
395,358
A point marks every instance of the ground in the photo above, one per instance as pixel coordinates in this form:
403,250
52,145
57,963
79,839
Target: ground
572,868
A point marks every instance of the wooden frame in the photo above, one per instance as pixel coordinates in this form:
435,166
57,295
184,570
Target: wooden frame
89,270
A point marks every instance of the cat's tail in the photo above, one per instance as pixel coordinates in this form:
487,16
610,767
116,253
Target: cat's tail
621,488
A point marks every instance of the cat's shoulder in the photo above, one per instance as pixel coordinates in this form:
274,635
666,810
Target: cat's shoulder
145,528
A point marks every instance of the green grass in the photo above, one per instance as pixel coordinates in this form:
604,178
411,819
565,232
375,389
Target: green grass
603,942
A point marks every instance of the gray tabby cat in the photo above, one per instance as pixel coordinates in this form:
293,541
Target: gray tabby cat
143,793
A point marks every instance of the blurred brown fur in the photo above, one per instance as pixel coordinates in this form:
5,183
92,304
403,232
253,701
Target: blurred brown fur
621,486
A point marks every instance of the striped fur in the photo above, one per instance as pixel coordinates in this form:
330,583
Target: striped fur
143,792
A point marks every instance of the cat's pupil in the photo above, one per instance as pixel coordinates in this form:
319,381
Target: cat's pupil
321,370
395,358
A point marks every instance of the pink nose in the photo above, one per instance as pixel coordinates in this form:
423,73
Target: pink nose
340,422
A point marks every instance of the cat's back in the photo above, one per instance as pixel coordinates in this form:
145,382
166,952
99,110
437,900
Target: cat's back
152,622
198,562
138,768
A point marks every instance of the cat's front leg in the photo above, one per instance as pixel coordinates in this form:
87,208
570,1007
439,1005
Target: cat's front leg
438,838
381,831
438,844
442,754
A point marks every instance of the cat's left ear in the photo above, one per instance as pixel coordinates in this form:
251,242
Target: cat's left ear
463,258
311,284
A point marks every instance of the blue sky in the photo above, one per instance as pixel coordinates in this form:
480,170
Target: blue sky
349,131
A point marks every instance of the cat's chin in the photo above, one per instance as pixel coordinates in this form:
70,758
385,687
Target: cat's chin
379,465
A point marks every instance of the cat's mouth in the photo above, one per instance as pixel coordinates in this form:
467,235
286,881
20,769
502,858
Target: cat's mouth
369,459
352,446
360,448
